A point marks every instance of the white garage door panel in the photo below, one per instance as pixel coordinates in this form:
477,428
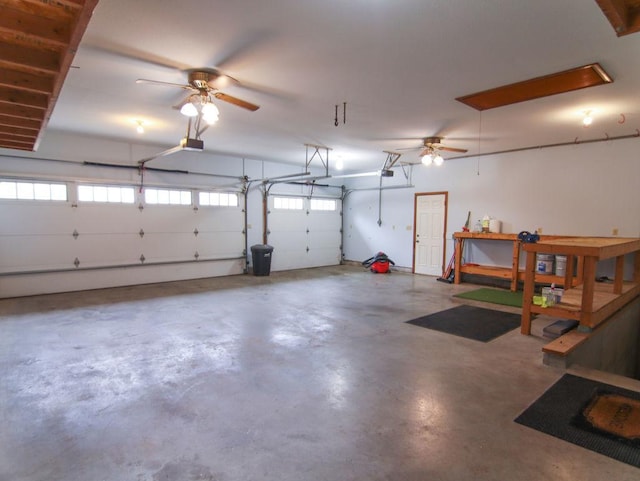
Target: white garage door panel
171,246
304,238
18,253
220,219
99,218
323,257
169,219
289,249
220,244
46,218
96,250
323,238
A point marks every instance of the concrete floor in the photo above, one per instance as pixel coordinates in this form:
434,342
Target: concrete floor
302,375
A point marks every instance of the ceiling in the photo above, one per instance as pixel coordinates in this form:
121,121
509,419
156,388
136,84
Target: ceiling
388,71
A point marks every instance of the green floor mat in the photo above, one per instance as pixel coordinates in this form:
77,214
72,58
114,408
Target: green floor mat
494,296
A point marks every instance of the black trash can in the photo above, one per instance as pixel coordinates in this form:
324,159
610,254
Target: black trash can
261,256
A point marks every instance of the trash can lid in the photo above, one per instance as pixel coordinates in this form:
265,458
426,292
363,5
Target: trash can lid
261,247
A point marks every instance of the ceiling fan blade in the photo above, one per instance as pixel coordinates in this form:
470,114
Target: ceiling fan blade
424,152
451,149
236,101
159,82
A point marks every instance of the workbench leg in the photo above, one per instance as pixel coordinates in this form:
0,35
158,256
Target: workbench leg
618,278
457,246
527,294
588,288
515,265
568,273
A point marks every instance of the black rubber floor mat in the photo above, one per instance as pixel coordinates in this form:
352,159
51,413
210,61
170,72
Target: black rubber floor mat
471,322
560,412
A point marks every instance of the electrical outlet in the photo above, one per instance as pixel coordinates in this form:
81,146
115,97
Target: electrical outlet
539,230
409,227
614,231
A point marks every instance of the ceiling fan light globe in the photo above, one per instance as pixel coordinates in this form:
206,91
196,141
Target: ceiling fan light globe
210,118
438,160
189,110
210,109
427,159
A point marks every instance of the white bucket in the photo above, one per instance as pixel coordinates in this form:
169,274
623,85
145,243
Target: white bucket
495,226
561,265
544,263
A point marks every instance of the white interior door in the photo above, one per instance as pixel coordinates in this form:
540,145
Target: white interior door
429,238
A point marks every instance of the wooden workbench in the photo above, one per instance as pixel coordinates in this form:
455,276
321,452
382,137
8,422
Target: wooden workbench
513,274
588,303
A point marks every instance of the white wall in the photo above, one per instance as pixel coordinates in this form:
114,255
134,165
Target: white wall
583,189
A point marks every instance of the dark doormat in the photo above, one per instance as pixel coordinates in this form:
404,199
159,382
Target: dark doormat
471,322
591,414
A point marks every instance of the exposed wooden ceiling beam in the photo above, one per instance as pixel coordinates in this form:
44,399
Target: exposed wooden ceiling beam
11,121
35,27
38,40
22,112
26,81
20,97
18,132
624,15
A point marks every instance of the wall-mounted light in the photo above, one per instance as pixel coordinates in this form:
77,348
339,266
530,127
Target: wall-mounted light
587,119
140,126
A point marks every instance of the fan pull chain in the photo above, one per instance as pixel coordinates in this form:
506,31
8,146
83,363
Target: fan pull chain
336,119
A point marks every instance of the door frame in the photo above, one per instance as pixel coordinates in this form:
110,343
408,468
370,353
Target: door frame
444,235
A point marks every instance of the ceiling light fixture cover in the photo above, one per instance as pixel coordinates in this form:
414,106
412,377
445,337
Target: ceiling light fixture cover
189,110
556,83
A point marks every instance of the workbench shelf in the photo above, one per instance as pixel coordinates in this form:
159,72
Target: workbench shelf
590,302
513,274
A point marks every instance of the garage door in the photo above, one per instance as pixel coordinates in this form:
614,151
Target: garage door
113,226
304,232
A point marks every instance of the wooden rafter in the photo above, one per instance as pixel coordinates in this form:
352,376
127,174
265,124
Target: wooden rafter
38,40
624,15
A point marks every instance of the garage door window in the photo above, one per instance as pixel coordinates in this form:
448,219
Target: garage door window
106,193
167,197
288,203
223,199
32,191
323,204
